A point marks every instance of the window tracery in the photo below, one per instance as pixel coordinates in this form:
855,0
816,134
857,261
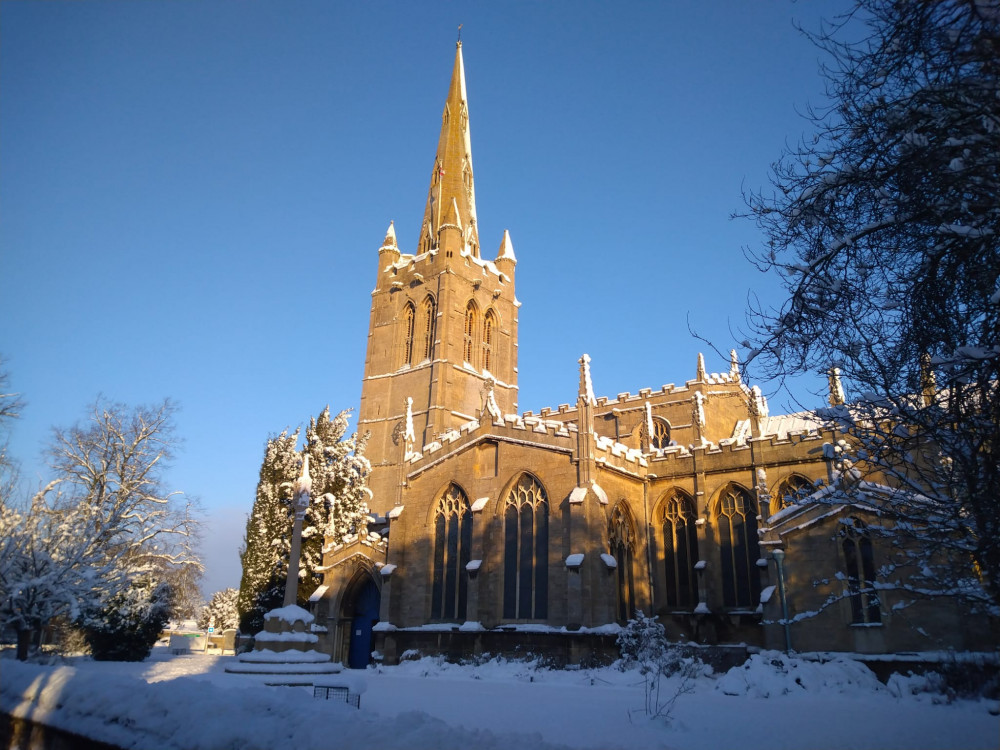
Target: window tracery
680,550
860,563
739,548
452,552
526,551
621,537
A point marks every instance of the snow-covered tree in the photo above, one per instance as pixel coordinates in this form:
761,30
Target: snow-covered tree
220,612
339,473
885,229
266,544
10,409
104,521
126,625
51,566
338,507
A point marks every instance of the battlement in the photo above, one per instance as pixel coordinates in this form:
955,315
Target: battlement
526,429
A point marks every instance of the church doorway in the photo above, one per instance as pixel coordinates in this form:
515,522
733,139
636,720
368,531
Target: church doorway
361,606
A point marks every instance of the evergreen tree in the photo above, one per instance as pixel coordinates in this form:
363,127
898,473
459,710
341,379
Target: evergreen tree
338,507
220,612
269,527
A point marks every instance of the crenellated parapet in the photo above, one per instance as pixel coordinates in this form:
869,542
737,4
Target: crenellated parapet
511,428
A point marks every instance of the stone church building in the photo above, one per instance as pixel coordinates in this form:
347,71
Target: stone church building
498,531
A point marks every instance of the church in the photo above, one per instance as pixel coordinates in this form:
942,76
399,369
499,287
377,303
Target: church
503,532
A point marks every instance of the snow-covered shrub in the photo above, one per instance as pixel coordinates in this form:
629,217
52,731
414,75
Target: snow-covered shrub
126,628
770,674
643,644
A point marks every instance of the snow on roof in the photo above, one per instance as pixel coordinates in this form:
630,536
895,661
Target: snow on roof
387,570
395,512
782,425
318,594
609,560
290,614
578,494
473,565
575,560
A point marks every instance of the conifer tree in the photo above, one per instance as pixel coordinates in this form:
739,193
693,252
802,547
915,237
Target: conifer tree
265,546
338,507
339,473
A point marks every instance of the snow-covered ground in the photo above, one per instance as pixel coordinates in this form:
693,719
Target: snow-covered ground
190,703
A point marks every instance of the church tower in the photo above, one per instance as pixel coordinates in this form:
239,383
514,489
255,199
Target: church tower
443,330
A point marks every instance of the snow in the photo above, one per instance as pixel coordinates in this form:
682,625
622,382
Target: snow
266,637
429,703
479,504
290,614
609,560
267,656
602,496
575,560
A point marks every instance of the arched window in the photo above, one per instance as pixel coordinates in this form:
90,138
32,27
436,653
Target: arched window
408,316
661,433
489,333
452,548
680,550
430,321
621,537
790,490
860,562
739,548
526,551
469,349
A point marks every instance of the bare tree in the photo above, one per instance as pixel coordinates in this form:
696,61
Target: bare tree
885,229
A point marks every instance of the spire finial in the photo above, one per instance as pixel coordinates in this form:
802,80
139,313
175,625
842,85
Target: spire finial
700,374
460,35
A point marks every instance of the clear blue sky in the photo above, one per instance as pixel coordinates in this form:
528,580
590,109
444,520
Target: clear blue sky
192,195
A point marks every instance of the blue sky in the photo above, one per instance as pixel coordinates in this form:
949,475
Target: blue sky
192,195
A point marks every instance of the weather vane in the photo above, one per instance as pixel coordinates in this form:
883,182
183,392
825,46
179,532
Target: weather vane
460,33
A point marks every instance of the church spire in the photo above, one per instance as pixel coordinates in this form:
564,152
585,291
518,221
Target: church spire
451,179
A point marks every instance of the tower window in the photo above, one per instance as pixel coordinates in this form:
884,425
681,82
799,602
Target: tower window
430,313
526,551
408,316
469,348
489,331
680,550
452,551
739,548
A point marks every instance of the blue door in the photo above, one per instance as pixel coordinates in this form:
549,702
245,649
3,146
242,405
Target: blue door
365,615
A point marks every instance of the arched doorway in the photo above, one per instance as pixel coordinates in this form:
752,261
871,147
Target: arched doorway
361,606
